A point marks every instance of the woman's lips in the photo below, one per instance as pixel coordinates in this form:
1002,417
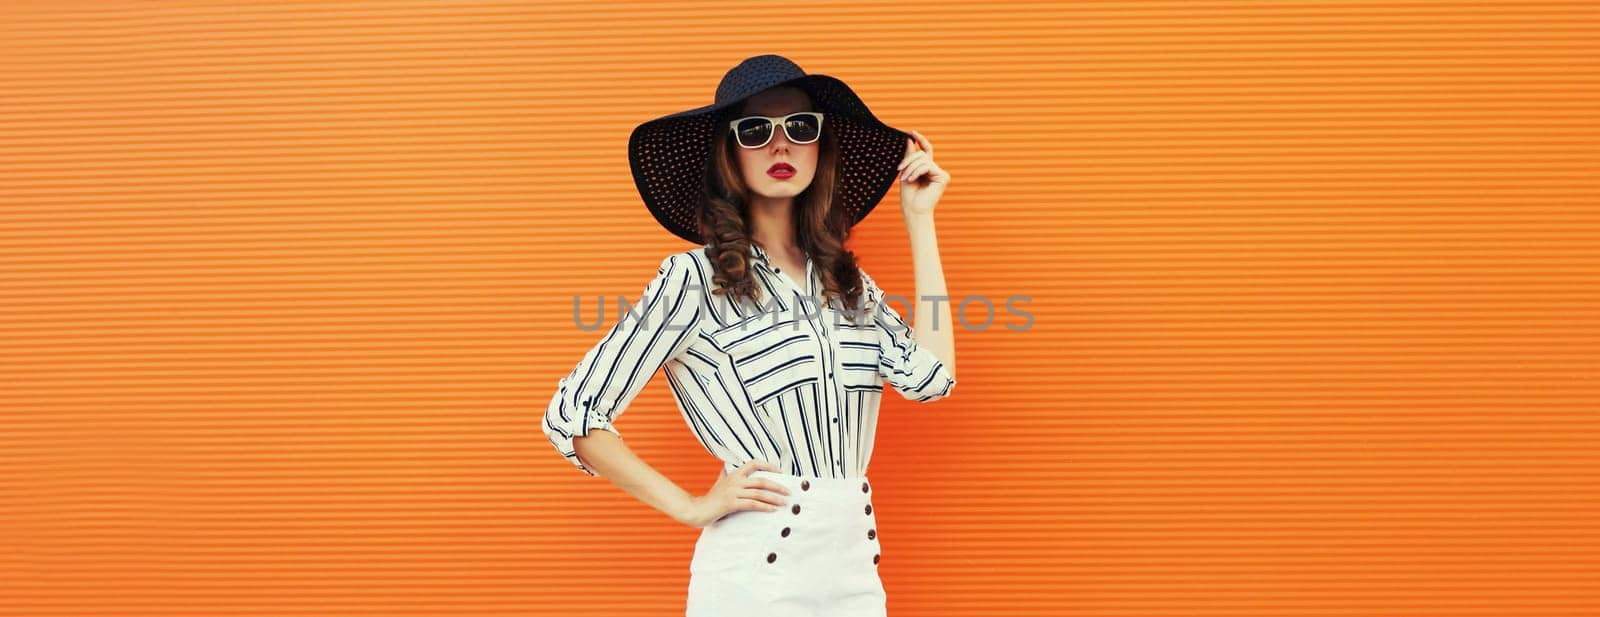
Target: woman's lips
781,171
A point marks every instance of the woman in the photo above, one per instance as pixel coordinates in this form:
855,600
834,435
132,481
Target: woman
776,344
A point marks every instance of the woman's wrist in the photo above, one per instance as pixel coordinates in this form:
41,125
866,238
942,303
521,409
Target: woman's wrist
917,218
682,509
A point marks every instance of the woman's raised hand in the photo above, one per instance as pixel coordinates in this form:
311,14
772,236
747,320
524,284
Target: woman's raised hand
735,492
922,181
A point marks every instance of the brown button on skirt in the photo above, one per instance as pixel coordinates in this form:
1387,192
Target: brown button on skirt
820,559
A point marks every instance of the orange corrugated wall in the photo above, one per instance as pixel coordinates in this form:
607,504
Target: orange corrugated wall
1314,292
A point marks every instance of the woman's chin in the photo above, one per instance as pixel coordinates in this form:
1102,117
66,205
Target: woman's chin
780,188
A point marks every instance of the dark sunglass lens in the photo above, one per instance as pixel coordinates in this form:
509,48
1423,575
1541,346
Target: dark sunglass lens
753,132
803,128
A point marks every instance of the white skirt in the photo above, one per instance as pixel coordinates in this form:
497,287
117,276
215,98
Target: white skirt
815,557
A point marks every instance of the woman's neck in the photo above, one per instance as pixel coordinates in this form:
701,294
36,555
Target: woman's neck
772,225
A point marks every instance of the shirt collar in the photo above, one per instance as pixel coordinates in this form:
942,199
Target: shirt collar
760,256
757,252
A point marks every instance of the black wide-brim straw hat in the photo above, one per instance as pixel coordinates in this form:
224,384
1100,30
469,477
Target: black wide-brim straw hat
669,154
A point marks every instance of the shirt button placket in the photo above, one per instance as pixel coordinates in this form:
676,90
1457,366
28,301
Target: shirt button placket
832,360
828,387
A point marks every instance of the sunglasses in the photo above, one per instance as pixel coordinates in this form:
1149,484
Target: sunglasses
802,127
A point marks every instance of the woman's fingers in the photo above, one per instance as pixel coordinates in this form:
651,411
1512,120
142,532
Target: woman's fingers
916,169
922,140
768,485
756,465
753,493
762,496
919,156
751,504
918,140
914,156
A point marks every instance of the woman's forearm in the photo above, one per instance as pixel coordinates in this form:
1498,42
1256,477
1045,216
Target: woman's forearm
605,452
932,319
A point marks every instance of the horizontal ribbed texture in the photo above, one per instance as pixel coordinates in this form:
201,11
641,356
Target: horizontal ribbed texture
1310,325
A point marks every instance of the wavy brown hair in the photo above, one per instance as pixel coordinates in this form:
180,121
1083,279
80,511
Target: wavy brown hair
820,228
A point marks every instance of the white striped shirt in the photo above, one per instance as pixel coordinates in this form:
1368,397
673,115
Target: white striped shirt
791,384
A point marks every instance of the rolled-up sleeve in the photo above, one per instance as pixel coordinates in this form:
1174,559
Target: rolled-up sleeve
658,328
916,373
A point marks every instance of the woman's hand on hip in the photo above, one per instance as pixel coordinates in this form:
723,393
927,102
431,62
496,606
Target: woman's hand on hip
735,492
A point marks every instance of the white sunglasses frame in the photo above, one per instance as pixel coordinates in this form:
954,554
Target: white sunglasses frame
779,123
